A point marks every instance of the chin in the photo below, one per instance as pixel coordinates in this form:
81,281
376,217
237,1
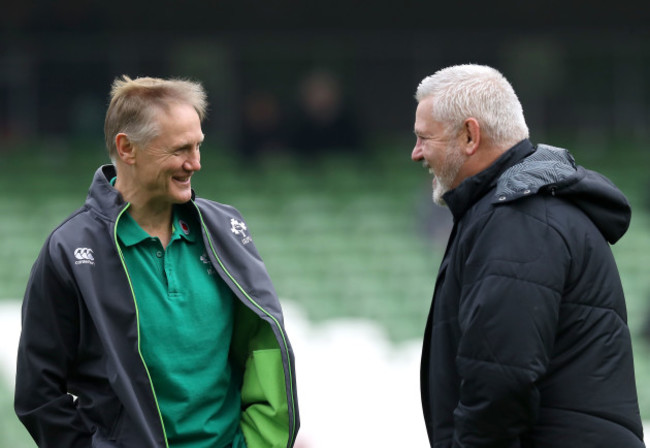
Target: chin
438,192
438,200
180,198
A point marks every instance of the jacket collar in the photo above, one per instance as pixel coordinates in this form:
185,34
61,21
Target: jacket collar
461,198
103,196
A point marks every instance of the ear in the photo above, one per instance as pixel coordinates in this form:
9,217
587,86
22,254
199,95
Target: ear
125,148
472,136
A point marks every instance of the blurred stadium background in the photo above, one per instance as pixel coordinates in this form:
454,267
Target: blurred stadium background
348,232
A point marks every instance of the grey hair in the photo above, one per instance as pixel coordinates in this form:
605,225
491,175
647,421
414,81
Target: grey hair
480,92
134,103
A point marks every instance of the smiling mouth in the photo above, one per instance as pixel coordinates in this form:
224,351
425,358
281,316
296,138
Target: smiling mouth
426,166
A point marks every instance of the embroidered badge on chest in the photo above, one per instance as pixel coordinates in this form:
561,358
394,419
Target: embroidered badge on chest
239,229
184,227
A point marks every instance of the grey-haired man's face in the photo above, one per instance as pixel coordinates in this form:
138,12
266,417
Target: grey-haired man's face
438,152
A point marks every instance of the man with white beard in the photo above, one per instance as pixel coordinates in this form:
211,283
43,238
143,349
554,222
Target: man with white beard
526,343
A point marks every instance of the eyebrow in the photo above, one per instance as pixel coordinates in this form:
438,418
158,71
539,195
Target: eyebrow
185,146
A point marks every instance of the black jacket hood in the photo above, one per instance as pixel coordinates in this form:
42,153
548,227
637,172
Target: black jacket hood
553,171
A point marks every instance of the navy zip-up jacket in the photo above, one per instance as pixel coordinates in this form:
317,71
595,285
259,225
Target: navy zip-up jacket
81,380
526,343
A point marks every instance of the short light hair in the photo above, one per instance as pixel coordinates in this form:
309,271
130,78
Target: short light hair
135,102
480,92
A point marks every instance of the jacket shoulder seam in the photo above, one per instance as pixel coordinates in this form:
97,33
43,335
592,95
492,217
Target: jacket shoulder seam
80,211
514,278
597,307
498,364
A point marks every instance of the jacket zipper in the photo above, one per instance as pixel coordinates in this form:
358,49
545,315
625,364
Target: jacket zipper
258,306
137,319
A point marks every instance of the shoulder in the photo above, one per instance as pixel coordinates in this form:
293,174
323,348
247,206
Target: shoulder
220,217
67,242
518,240
517,227
215,208
71,226
506,215
83,231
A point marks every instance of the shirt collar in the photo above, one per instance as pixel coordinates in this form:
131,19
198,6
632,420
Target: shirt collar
183,224
130,233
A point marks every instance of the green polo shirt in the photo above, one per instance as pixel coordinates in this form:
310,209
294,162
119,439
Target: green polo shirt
185,313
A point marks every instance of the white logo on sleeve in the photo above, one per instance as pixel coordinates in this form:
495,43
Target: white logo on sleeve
239,229
84,255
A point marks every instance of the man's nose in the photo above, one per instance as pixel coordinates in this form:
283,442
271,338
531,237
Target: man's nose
193,163
416,155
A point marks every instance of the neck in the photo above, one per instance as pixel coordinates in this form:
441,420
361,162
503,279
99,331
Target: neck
157,223
154,218
482,159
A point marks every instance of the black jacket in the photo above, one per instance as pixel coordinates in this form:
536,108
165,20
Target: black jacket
526,344
80,335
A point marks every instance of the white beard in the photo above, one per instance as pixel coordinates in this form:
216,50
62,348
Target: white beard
454,161
438,191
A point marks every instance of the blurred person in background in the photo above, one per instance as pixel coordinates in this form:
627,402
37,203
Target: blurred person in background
149,319
262,130
526,343
323,124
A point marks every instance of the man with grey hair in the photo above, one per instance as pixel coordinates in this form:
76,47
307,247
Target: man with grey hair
526,343
149,318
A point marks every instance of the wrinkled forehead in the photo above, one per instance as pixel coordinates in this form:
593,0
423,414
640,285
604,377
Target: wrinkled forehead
179,121
424,113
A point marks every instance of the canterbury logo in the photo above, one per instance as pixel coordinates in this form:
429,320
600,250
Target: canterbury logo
84,255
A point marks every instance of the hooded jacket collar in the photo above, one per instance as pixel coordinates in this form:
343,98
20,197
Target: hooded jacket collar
461,198
551,170
525,170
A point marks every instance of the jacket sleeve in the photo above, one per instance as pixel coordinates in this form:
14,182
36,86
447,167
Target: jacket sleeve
512,278
46,355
